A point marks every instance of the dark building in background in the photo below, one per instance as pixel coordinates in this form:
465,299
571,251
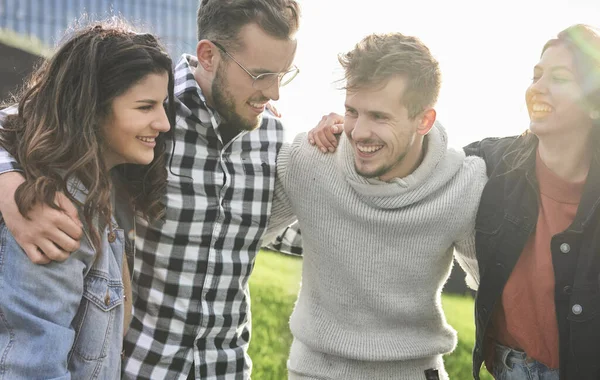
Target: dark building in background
173,20
15,65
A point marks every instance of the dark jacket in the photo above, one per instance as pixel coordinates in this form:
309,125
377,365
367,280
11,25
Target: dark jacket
506,218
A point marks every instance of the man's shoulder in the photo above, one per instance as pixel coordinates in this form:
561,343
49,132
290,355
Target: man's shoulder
302,154
465,168
473,169
304,149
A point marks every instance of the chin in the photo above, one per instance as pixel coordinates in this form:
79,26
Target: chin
540,128
364,172
252,124
142,160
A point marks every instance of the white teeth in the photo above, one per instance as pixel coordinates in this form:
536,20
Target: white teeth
539,107
146,139
257,105
369,148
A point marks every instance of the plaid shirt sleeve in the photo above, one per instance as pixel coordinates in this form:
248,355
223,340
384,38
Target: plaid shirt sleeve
7,162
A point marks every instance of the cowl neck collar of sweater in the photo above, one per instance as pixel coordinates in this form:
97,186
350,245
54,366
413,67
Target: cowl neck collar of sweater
438,166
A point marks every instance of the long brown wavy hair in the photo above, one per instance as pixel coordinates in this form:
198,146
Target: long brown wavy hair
583,41
56,135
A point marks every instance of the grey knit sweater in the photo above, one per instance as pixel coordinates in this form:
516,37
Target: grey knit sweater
376,256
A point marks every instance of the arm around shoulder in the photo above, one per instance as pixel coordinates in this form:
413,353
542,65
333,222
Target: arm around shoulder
490,149
282,214
465,253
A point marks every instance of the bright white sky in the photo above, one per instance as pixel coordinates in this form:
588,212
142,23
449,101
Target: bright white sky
486,50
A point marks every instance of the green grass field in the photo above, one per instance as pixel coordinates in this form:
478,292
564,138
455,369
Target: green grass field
274,286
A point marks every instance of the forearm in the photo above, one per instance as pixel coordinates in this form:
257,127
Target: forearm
282,214
466,257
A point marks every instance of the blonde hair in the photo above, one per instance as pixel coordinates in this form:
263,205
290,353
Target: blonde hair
378,58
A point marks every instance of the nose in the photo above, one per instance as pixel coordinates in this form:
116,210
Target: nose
161,123
272,92
539,86
360,130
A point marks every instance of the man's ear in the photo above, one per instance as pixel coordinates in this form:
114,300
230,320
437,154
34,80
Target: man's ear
426,121
207,55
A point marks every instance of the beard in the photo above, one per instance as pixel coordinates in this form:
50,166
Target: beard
381,170
225,105
388,165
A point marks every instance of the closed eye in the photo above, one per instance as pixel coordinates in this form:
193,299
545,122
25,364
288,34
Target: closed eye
350,112
379,116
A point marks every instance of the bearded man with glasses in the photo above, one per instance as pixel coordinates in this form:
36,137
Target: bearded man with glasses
243,108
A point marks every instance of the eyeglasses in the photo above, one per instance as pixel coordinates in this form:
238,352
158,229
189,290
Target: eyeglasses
265,80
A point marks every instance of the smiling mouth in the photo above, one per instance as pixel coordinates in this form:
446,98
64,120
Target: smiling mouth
540,110
368,149
148,140
257,106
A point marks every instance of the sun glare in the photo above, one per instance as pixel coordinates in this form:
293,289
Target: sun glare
486,51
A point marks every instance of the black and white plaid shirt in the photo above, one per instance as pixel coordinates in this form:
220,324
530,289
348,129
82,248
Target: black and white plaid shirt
191,272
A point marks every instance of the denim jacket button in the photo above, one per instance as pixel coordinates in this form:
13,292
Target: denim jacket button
107,298
112,237
565,248
577,309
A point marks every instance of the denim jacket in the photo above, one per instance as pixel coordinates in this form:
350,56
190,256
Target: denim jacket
62,320
507,216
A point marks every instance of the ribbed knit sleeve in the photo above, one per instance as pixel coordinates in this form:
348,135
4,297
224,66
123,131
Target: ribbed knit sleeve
282,214
475,175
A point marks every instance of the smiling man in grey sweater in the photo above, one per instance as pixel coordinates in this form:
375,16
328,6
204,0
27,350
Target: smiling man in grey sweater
380,221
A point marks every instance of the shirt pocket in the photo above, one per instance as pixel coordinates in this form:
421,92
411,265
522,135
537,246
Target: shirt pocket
584,321
95,320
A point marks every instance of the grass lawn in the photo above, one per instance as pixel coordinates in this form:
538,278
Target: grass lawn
274,286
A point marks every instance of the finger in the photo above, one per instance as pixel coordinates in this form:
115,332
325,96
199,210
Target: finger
62,240
321,142
331,137
311,139
51,251
68,206
337,118
35,255
273,110
336,129
66,224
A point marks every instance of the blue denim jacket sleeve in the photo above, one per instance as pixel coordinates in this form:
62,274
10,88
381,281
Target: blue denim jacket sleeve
37,307
7,162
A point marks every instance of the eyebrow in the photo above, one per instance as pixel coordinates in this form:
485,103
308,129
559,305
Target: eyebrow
554,68
147,101
370,112
380,114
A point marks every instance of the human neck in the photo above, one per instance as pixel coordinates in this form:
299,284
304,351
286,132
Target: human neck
204,84
568,156
410,162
